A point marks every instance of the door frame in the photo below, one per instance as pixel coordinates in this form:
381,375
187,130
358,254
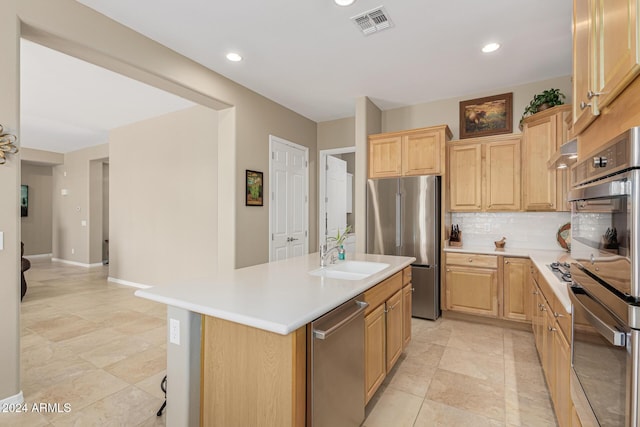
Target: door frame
322,187
276,139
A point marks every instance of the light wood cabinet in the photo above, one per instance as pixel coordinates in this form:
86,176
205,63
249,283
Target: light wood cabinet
374,344
385,157
606,55
484,174
407,298
542,135
394,329
550,322
408,153
384,329
472,287
516,304
407,301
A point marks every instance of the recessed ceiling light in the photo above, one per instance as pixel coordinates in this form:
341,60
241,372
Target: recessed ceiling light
234,57
344,2
491,47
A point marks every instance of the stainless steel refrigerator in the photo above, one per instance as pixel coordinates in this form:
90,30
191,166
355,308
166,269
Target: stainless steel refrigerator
403,218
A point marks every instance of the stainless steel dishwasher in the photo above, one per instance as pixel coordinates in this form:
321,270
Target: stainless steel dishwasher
337,366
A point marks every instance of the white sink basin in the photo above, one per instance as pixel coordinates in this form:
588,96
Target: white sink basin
349,270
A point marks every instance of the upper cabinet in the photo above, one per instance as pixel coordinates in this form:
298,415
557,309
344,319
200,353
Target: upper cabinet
484,174
413,152
606,56
542,135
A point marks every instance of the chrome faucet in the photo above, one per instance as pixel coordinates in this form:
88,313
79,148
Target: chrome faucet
324,253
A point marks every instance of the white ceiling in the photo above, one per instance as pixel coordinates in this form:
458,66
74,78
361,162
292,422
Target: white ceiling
310,57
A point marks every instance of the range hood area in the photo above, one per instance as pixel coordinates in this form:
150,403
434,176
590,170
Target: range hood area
565,156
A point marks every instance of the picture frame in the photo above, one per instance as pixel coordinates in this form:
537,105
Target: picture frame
254,188
490,115
24,200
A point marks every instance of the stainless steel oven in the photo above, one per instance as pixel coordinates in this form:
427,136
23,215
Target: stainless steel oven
605,290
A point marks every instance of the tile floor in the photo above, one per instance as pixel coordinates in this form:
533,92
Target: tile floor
92,344
96,346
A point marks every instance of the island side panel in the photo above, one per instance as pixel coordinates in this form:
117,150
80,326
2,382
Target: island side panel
251,376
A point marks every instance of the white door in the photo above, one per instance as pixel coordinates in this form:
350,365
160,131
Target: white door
288,215
336,198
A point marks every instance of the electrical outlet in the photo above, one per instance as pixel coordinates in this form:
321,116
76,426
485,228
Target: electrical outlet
174,331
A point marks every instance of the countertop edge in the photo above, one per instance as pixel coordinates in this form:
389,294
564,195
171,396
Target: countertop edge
282,328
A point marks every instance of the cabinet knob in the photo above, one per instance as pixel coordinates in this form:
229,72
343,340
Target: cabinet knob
470,259
413,289
506,262
584,105
556,314
535,292
591,94
448,269
551,329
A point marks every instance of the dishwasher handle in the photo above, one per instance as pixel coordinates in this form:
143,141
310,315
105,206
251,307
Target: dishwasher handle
326,333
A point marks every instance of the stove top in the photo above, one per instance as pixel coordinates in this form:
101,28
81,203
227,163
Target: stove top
561,270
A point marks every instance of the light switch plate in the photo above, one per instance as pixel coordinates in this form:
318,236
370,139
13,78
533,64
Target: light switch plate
1,240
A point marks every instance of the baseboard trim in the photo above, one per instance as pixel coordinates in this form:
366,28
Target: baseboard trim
16,399
128,283
79,264
38,257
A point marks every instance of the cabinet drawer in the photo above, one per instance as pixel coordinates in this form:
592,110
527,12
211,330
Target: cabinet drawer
472,260
406,275
382,291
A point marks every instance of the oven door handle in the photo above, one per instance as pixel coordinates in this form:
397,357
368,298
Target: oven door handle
611,334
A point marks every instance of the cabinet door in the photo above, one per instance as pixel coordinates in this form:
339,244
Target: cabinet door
583,64
465,177
374,350
562,359
407,293
502,186
385,157
472,290
539,143
515,289
421,154
617,47
394,329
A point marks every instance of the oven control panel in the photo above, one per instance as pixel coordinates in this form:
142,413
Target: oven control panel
623,152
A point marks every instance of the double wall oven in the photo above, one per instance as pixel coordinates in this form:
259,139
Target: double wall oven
605,289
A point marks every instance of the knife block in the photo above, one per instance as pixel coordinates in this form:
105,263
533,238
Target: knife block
456,243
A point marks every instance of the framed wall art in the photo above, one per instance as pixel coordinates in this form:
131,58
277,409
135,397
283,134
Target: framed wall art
254,188
24,200
491,115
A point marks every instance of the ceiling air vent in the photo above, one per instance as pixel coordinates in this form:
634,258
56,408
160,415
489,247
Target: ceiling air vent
372,21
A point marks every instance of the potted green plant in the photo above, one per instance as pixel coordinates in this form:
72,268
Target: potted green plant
541,101
339,238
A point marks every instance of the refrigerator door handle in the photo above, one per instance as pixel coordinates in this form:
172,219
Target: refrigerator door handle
398,220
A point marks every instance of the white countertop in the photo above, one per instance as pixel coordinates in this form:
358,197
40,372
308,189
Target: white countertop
279,296
539,257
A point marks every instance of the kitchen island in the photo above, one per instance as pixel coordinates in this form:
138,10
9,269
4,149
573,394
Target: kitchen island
240,356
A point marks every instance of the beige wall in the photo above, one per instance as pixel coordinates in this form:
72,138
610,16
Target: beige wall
10,208
37,226
164,198
72,241
447,111
337,134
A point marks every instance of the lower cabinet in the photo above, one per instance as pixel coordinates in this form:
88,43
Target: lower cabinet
387,328
552,336
515,294
488,285
472,283
375,367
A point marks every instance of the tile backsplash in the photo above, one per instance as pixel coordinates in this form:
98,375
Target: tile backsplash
530,230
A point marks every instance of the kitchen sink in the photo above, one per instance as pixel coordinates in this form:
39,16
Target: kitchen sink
349,270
